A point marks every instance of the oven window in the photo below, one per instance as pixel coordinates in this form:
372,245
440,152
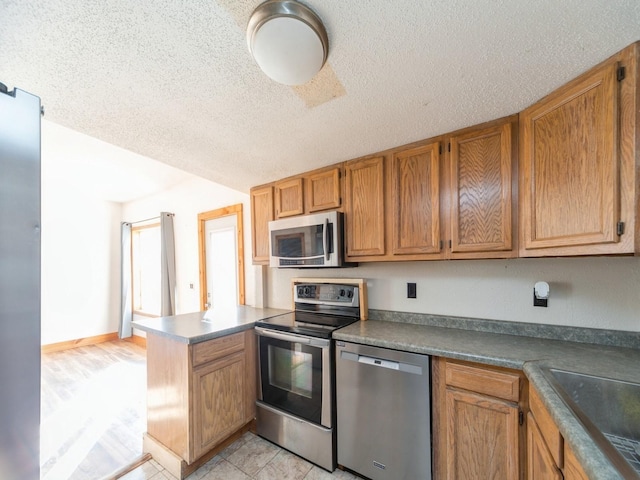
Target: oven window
291,377
291,370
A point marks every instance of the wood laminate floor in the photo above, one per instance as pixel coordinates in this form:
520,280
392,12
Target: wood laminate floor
93,410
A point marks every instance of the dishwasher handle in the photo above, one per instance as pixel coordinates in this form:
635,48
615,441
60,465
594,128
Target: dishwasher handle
381,362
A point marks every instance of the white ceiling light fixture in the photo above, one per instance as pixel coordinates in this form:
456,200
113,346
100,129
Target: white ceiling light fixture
288,41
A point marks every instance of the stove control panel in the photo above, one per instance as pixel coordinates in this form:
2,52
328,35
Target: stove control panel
329,294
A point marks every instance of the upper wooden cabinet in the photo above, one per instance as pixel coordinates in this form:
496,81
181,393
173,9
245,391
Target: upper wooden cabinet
578,170
483,188
289,198
415,199
364,207
431,204
261,215
323,189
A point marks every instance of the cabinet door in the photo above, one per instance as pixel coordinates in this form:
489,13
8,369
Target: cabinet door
415,192
569,165
289,199
540,464
261,215
218,402
323,190
572,468
481,169
364,207
482,437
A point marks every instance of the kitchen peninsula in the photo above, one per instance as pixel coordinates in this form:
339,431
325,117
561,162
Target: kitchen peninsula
201,386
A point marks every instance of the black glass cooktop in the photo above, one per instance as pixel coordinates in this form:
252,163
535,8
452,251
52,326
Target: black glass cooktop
307,323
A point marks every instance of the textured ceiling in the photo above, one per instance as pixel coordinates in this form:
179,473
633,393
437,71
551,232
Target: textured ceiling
174,81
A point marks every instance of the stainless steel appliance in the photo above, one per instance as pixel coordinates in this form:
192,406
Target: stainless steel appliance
296,395
19,285
307,241
384,414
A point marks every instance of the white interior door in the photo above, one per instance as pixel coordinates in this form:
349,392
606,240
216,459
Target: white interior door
221,262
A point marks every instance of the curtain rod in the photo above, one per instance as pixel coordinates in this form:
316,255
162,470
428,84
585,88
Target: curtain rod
149,219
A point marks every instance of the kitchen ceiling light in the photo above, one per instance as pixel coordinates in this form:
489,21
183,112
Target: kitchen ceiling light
288,41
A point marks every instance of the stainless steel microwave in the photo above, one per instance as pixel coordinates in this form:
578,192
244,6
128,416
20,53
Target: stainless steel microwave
307,241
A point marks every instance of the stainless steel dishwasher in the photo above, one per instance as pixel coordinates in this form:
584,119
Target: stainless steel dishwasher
383,412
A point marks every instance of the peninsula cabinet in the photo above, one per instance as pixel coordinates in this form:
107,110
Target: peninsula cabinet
198,396
578,164
478,428
261,215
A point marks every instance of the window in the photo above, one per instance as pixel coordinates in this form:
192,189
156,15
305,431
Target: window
145,263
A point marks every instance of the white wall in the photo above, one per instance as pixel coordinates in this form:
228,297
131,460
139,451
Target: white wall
80,258
595,292
186,200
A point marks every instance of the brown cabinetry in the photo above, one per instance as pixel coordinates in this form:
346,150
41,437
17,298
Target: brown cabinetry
364,207
483,190
478,432
415,200
420,203
323,189
289,197
261,215
548,455
312,192
198,396
578,168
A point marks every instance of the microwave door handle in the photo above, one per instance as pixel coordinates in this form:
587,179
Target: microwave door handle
325,239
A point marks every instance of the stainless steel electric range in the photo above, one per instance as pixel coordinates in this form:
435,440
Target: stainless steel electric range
296,395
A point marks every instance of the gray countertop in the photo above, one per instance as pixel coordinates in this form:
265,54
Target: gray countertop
523,353
196,327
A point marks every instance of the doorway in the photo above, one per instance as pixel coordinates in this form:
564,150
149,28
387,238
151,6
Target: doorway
221,257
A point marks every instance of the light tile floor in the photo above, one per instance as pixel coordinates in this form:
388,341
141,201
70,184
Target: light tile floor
248,458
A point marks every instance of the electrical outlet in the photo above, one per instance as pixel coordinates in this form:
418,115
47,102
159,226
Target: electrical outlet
411,290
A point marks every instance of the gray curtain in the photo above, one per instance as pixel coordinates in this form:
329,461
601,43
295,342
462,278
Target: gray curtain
126,306
167,265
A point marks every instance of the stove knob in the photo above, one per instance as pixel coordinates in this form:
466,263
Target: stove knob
300,291
350,294
342,292
307,290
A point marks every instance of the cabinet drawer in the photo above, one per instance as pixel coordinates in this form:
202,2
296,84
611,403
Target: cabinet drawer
219,347
547,427
489,382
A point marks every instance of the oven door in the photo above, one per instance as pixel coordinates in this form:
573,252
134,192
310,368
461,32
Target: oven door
295,374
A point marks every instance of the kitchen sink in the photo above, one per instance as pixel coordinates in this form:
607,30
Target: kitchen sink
610,411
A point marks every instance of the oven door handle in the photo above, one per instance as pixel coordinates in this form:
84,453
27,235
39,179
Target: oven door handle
314,342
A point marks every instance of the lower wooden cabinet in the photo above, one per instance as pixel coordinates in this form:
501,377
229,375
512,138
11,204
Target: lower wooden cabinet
197,396
478,429
540,463
549,457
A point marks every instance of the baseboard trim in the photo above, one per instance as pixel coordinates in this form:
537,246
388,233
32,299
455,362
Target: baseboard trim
138,340
84,342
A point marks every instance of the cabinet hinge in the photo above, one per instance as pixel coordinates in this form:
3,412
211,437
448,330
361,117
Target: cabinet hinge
441,244
621,73
449,243
449,147
440,149
521,417
619,228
